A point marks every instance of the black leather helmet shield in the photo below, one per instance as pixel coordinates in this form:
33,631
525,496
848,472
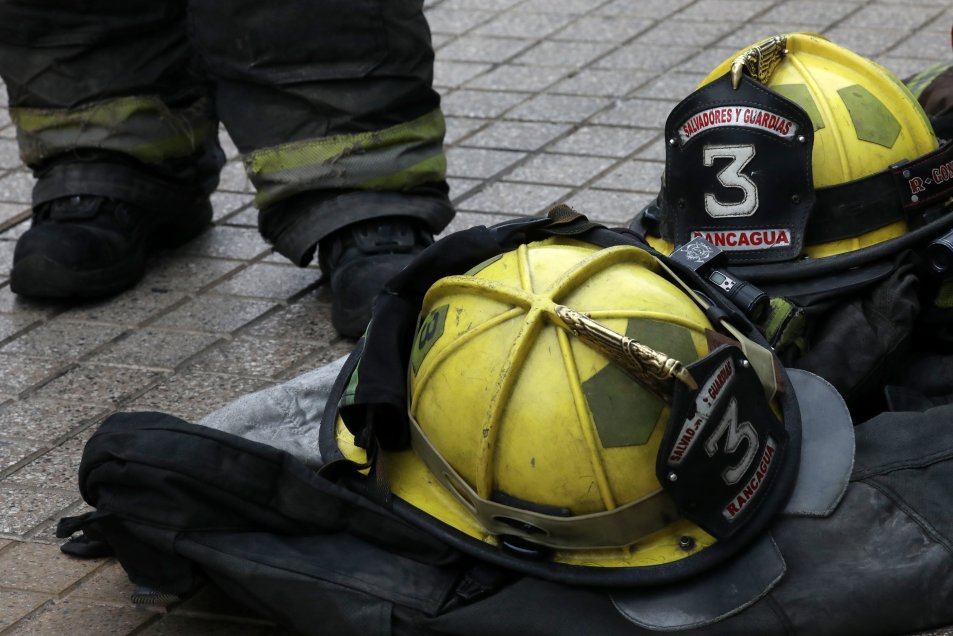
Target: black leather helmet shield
738,172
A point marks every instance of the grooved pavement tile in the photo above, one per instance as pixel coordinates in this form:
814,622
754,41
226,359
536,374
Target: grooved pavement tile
643,113
11,303
57,468
264,280
15,187
606,141
155,348
519,78
308,319
227,242
514,198
20,372
460,127
527,25
612,208
15,604
465,220
483,104
470,48
43,420
192,395
14,450
479,162
566,170
454,74
129,309
558,108
254,356
515,135
563,53
602,82
185,273
23,508
600,28
453,22
638,176
214,314
62,340
82,618
109,584
10,325
99,383
35,567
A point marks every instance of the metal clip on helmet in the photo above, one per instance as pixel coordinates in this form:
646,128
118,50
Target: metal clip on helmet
799,149
576,415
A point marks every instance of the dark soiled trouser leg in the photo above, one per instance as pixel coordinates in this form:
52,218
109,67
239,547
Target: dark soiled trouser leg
107,100
330,103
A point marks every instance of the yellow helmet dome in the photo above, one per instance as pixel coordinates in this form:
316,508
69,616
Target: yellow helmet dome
548,387
767,183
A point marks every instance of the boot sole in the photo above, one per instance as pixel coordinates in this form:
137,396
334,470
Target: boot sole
41,277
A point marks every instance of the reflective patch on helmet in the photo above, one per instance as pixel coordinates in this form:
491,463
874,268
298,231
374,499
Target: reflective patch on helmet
753,485
800,95
737,240
739,117
872,120
479,267
429,332
625,413
706,401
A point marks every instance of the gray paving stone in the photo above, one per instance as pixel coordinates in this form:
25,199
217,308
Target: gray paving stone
16,187
606,141
935,48
479,162
247,217
486,5
570,170
13,451
44,420
10,212
642,113
184,273
674,86
15,604
472,48
519,78
707,60
807,12
521,24
484,104
308,320
650,58
602,82
10,303
41,568
459,128
684,33
254,356
878,16
637,176
513,135
192,395
558,108
577,7
452,22
21,510
263,280
460,186
19,372
214,314
226,203
600,28
227,242
563,53
655,9
610,207
101,384
155,348
56,468
109,584
234,179
514,198
453,74
62,340
10,325
82,618
721,11
128,309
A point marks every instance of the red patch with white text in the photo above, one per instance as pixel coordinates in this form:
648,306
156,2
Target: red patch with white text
738,240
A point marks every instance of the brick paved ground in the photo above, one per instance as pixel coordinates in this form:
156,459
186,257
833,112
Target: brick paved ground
547,101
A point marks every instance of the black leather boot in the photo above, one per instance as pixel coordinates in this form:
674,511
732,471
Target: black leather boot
360,258
87,246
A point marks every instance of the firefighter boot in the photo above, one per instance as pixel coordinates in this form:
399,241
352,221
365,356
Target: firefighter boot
87,246
360,258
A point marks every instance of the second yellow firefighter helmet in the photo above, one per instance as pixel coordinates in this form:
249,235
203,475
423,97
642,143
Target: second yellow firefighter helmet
575,405
797,147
